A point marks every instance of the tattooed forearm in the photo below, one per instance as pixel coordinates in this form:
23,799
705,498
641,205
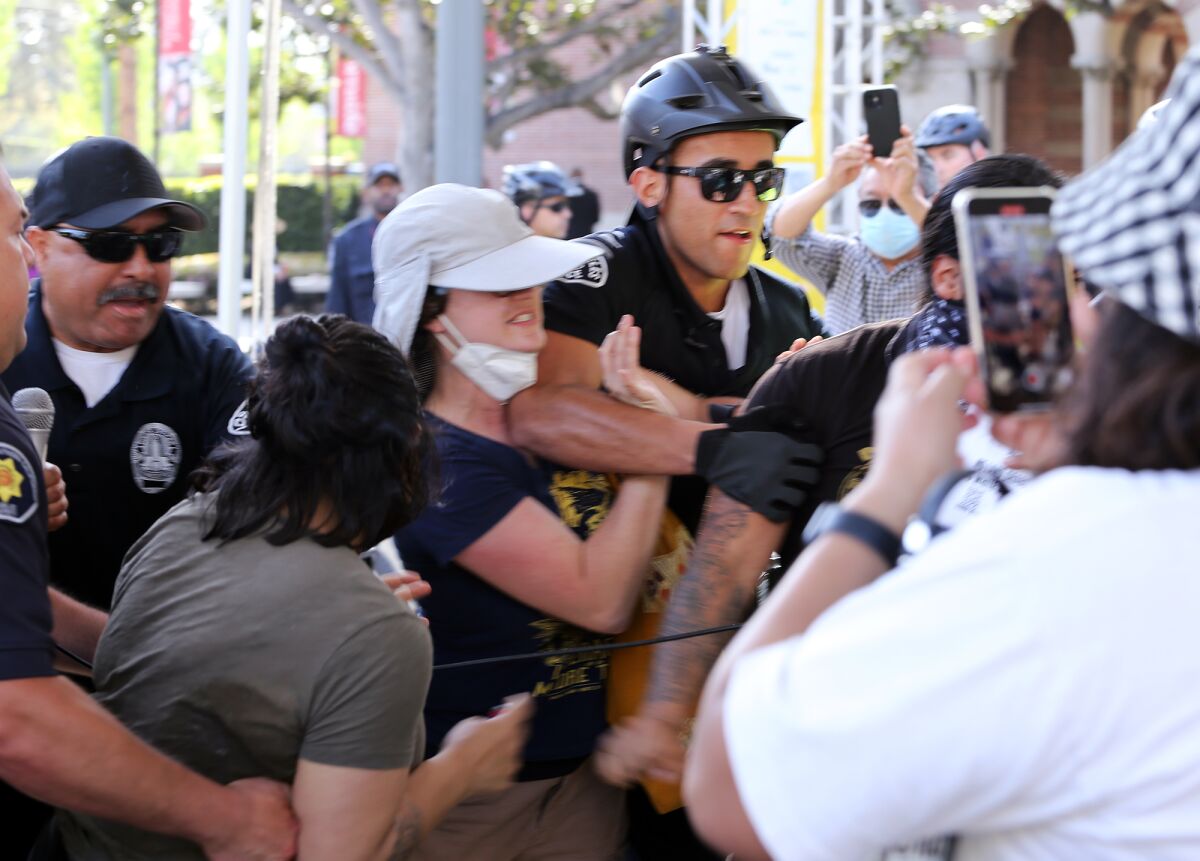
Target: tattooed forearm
732,548
408,831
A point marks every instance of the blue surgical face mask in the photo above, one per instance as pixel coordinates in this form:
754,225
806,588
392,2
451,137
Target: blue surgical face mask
889,234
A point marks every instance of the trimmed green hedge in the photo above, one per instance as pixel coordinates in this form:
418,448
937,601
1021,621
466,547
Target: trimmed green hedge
300,202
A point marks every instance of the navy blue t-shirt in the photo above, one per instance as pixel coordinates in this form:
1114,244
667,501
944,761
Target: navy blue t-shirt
482,481
26,650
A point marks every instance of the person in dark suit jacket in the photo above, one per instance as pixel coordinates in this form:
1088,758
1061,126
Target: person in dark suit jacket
351,277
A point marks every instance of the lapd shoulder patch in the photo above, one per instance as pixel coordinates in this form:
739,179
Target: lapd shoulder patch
239,422
18,485
594,273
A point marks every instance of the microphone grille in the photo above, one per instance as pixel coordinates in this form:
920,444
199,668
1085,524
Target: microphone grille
35,408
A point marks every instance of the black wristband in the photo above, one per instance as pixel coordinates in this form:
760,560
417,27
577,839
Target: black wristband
865,529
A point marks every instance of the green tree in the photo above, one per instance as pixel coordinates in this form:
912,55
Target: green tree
394,42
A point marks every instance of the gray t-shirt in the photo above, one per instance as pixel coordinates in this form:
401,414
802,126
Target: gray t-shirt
237,659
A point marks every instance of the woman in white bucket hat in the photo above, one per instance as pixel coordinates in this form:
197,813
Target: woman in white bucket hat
523,555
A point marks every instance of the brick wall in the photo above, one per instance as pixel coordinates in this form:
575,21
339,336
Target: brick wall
1044,110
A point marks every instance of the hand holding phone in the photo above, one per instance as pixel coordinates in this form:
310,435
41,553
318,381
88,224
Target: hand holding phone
1017,295
881,109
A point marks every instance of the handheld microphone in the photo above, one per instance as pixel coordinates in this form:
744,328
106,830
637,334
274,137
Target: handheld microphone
36,412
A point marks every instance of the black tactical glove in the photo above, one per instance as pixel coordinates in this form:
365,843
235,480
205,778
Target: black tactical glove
720,414
763,459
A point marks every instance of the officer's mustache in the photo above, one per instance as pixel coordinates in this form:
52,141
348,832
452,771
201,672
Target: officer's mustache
142,290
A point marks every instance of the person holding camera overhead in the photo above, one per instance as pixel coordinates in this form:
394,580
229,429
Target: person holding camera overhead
877,274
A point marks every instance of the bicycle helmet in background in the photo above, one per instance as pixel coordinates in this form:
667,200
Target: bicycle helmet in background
536,181
696,93
952,124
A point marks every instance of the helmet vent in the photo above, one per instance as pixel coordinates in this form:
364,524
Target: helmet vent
686,103
648,77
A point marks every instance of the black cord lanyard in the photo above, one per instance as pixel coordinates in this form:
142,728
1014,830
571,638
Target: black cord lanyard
580,650
529,656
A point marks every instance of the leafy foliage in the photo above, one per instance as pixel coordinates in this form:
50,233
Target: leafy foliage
907,37
300,202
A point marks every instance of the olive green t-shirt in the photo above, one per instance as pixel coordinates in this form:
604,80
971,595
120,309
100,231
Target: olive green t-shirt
239,658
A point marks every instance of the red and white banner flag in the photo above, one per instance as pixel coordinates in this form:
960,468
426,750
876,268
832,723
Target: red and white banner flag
351,99
174,27
174,66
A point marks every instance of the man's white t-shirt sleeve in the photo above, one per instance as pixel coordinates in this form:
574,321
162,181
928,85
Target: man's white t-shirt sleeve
875,729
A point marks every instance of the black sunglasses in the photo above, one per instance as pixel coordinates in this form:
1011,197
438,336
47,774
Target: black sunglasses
724,184
116,246
555,207
870,208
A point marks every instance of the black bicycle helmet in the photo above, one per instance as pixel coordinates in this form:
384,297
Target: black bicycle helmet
536,181
952,124
696,93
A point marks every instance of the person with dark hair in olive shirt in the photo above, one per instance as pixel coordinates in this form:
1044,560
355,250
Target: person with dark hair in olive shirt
55,743
832,388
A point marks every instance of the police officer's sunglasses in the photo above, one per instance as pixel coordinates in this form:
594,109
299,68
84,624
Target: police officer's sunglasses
555,207
117,246
724,184
871,208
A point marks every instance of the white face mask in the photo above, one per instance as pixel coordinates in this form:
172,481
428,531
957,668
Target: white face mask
499,372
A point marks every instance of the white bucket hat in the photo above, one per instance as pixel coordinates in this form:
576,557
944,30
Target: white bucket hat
463,238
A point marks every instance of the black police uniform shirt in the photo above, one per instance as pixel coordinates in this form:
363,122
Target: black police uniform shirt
351,274
832,387
26,650
679,339
127,459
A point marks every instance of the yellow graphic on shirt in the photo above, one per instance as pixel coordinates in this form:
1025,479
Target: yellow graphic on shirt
671,553
855,476
10,480
569,674
583,498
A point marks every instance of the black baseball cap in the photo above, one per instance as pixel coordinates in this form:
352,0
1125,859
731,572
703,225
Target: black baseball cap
100,182
379,171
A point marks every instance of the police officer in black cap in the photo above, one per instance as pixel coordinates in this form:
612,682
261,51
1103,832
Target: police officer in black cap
699,132
351,274
55,742
141,391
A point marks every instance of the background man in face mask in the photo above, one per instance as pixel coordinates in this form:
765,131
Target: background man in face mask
351,278
876,275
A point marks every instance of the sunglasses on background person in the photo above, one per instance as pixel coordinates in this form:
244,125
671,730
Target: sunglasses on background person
555,207
117,246
870,208
724,184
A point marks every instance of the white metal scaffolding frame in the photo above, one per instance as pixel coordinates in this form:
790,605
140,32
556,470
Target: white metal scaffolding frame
854,55
853,61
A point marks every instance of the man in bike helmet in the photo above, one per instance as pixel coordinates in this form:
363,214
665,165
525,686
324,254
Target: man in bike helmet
699,134
953,136
541,190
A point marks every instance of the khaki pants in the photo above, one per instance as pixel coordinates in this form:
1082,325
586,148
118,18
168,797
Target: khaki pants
572,818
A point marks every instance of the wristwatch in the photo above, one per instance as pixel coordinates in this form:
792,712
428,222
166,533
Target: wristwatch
831,517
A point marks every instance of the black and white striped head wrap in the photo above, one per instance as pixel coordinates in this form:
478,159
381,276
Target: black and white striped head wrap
1132,224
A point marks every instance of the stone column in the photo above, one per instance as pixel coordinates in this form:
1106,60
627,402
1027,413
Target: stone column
989,80
1095,60
1143,87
